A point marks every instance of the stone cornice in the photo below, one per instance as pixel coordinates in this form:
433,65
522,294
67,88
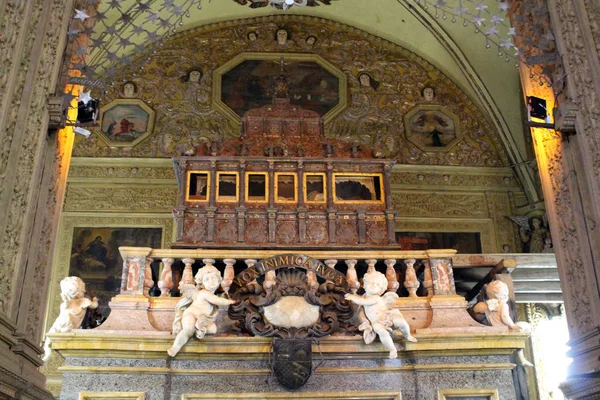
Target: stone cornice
82,343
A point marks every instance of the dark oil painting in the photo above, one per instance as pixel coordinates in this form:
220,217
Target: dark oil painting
95,258
250,85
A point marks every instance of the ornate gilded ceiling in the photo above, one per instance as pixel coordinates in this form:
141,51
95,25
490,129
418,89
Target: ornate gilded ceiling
185,115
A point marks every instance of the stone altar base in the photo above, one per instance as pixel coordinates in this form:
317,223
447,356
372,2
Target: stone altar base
136,362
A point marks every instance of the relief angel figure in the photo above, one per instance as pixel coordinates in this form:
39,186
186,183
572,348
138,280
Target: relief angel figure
381,318
195,312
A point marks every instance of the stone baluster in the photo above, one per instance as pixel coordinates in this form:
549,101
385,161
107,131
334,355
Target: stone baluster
165,284
148,282
187,278
250,262
371,265
311,279
269,282
331,263
228,275
351,276
208,262
411,283
428,280
390,274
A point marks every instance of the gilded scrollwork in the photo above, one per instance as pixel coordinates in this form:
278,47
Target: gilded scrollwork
374,116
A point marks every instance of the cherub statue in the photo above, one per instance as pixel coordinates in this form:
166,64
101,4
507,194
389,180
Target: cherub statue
497,313
380,317
496,309
72,309
195,312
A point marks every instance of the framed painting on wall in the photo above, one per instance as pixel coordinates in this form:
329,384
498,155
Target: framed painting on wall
125,122
96,259
248,81
432,128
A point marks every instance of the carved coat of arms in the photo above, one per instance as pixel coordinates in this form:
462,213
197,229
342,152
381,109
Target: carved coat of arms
292,298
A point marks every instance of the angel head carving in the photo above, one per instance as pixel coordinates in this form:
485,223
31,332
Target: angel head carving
72,288
497,290
375,283
208,278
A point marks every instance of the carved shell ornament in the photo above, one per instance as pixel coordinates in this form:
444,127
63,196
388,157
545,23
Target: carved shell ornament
293,300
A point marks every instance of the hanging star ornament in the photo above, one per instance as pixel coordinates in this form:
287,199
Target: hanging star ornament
461,10
492,30
478,19
80,15
496,19
506,43
480,6
85,97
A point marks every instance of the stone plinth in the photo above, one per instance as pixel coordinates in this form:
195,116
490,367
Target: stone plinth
129,362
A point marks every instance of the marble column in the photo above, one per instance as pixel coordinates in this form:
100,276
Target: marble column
33,165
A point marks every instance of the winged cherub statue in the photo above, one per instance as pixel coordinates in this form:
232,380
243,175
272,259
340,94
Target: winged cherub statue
72,309
380,316
195,312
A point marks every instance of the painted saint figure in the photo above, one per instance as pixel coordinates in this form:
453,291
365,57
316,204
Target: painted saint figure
126,126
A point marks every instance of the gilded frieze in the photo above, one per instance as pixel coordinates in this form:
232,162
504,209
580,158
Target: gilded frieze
110,172
452,179
125,198
376,107
440,204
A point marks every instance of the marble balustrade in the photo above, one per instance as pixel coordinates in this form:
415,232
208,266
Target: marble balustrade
163,273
